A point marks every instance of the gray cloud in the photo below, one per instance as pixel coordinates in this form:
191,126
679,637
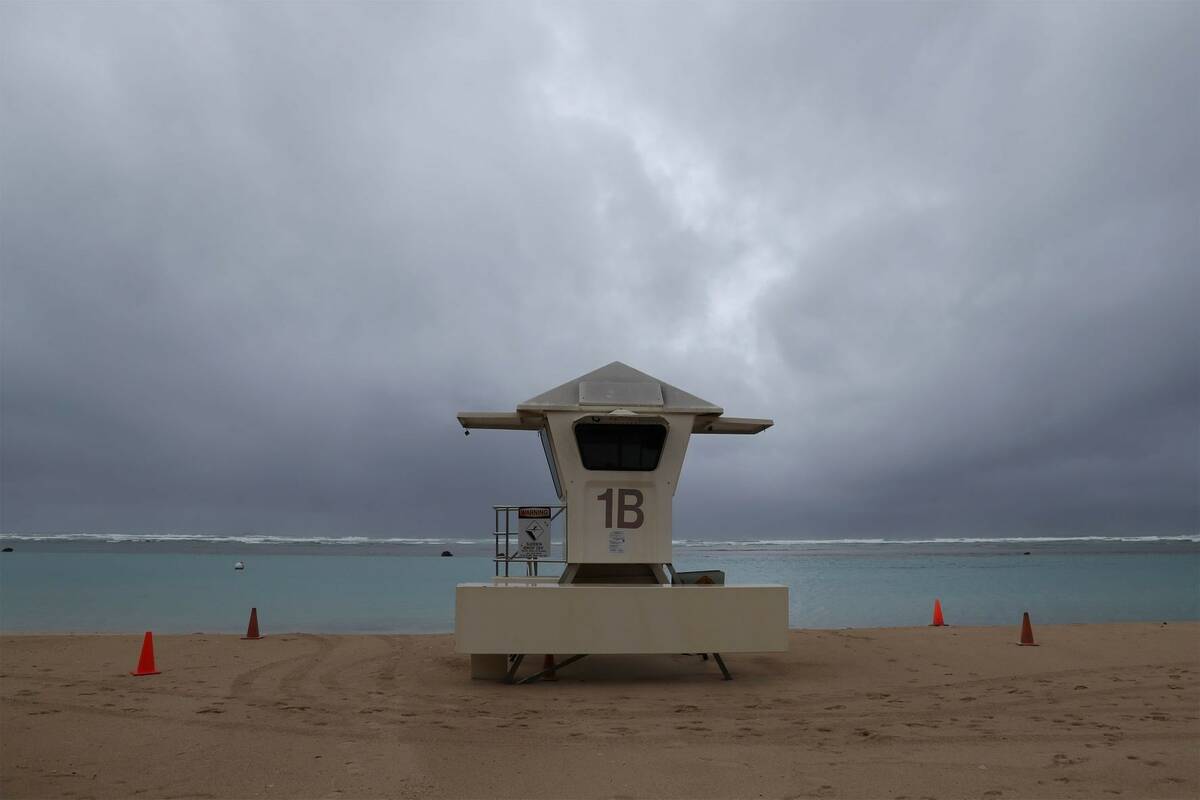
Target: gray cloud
254,258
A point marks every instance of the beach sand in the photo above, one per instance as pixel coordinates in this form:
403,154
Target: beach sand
1095,711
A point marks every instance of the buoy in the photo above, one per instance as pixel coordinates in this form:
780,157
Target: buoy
938,622
252,628
1027,632
146,660
240,565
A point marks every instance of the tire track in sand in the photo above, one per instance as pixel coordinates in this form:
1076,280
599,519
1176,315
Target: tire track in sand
245,687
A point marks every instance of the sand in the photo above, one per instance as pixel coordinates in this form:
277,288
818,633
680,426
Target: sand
1095,711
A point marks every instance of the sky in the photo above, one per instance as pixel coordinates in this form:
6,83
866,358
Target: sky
255,257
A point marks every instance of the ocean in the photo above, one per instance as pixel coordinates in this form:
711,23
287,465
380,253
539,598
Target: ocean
113,583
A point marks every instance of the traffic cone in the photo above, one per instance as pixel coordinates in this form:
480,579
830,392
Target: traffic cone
1026,632
252,628
146,661
938,622
548,663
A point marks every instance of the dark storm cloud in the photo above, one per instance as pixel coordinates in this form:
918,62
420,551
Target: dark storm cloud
255,257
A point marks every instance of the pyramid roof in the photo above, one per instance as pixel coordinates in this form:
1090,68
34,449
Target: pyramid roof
618,385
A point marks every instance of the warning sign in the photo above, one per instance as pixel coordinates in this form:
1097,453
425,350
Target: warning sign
533,532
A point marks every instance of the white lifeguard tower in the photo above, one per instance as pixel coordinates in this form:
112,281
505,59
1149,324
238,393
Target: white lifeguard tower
614,440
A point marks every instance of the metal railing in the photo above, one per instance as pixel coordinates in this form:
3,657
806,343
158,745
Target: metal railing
505,528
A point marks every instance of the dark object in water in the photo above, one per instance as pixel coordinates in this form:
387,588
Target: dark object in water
6,550
446,554
1025,553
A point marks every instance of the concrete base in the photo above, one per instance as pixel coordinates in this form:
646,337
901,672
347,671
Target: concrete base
594,619
489,667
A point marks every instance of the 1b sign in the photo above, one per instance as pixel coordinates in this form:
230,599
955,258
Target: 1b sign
533,532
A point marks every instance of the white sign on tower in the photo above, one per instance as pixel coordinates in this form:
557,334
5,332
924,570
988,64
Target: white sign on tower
533,532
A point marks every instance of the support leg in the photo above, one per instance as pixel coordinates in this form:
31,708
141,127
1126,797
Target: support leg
545,672
489,666
512,671
721,663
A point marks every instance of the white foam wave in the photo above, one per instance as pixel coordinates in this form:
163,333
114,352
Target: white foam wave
263,539
342,541
933,541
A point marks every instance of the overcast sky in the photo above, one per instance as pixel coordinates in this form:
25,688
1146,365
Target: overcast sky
255,257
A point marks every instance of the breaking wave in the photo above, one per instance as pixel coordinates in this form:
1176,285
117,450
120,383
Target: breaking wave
247,538
776,543
401,541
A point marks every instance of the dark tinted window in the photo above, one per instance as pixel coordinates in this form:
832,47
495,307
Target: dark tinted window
620,447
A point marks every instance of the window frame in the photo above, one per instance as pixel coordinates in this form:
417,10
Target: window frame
600,423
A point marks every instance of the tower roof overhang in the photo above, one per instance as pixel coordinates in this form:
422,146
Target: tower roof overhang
614,387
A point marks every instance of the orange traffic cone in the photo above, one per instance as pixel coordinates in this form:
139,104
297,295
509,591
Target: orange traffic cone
938,622
252,628
1026,632
548,663
146,661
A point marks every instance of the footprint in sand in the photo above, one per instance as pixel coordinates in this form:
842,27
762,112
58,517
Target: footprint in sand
1063,760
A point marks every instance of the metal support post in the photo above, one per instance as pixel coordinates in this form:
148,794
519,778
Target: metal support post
539,675
721,664
512,670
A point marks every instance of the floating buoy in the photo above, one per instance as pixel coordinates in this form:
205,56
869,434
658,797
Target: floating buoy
240,565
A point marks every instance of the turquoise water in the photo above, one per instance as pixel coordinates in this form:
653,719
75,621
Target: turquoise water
56,589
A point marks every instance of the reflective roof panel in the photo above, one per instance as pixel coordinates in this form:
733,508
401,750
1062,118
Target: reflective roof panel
615,393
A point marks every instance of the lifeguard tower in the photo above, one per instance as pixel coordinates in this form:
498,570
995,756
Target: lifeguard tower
614,440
